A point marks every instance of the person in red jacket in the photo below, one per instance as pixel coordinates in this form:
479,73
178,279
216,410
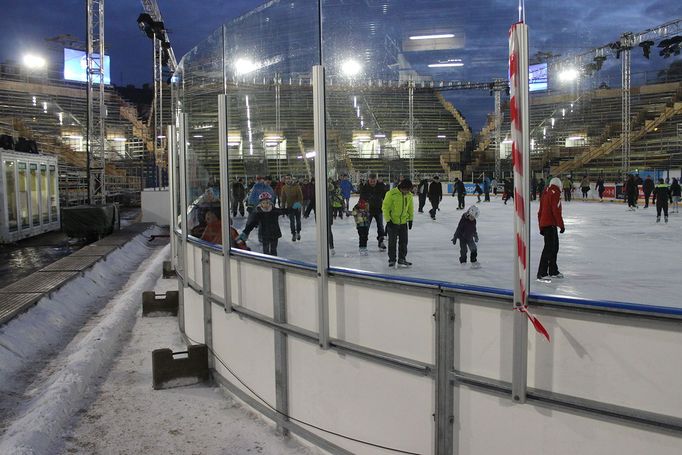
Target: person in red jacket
549,218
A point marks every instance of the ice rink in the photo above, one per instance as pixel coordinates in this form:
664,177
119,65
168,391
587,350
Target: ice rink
606,253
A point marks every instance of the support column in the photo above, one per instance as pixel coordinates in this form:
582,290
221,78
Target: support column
225,200
445,360
172,185
281,351
206,296
498,134
182,139
321,205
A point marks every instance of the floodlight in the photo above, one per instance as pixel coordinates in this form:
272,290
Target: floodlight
568,75
244,66
351,68
447,64
34,62
439,36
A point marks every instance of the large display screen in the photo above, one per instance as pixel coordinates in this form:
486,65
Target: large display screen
76,65
537,77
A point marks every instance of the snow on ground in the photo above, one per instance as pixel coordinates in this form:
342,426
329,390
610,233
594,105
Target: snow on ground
128,417
607,252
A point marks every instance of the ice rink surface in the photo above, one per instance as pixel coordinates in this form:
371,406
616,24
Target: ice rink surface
607,252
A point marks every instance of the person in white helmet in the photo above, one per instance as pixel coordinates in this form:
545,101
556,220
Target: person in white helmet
467,235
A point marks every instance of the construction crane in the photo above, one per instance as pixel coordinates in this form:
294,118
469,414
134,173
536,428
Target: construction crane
151,23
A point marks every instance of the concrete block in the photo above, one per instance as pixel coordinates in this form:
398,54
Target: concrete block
160,304
168,270
169,371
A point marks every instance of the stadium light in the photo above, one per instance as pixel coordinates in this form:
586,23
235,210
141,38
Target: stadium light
34,62
244,66
351,68
439,36
447,64
568,75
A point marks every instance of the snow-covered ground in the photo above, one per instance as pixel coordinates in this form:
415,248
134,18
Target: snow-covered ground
607,252
75,375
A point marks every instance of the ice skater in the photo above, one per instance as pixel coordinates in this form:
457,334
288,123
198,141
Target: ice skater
662,195
467,235
508,190
266,217
478,191
599,186
676,193
585,186
422,192
361,214
291,197
461,191
435,196
647,188
549,219
631,192
398,209
373,192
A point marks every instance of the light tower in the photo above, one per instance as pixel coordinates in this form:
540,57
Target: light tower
95,139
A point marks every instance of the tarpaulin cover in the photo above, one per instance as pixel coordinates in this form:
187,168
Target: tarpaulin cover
88,220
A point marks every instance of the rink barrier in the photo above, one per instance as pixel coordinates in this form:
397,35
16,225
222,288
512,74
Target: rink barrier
446,295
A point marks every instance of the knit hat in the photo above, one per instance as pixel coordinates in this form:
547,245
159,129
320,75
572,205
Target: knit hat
362,203
556,181
264,196
407,183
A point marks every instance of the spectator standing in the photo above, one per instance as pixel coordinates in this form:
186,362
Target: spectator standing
422,192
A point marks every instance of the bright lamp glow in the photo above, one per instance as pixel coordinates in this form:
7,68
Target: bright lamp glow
446,65
440,36
351,68
568,75
34,61
244,66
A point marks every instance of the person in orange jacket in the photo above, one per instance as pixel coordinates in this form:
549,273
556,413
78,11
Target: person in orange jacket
550,220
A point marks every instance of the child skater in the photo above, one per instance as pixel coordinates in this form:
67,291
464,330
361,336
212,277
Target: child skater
468,237
361,214
478,192
267,216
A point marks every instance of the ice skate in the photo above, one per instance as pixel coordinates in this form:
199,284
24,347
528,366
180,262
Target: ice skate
391,264
666,219
543,279
475,265
658,219
382,245
293,237
332,252
298,236
402,263
363,251
558,275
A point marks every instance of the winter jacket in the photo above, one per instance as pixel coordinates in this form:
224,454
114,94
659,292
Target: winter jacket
600,185
631,187
648,186
423,187
486,185
374,195
398,208
662,192
435,191
238,192
459,188
567,184
361,216
336,198
585,183
675,189
278,188
291,194
257,189
269,223
466,229
549,213
478,189
308,191
346,188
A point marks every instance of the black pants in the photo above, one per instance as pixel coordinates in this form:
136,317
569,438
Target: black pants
567,194
270,247
471,245
632,200
251,217
487,196
309,208
379,218
238,205
422,202
646,200
435,202
295,220
586,190
460,201
363,233
533,195
548,264
397,233
601,193
662,205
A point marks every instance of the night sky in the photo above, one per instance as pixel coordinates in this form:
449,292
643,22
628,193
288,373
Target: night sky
560,27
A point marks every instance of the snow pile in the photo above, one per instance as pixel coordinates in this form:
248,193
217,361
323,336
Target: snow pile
56,402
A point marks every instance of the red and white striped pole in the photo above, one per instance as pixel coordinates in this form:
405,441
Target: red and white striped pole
518,79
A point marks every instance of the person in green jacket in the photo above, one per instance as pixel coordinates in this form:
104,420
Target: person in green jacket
398,210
